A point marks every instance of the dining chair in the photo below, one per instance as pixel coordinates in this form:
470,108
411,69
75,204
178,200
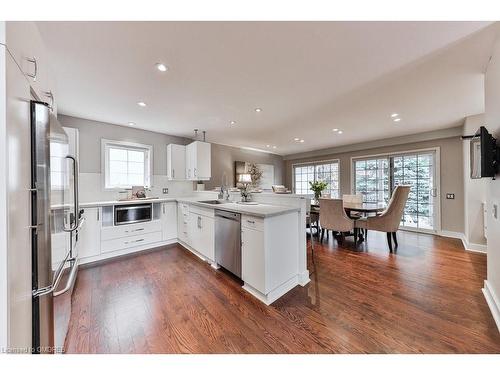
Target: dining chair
352,198
388,221
332,216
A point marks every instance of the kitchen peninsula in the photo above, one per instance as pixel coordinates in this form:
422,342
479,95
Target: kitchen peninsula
271,263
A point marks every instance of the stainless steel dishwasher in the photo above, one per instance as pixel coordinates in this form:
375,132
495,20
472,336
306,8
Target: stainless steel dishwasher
228,241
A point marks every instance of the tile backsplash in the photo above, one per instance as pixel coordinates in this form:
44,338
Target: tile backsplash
91,188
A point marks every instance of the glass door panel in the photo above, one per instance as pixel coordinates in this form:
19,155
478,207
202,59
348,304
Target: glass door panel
417,171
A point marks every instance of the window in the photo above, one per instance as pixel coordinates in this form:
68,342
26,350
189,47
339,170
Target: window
321,171
126,164
376,179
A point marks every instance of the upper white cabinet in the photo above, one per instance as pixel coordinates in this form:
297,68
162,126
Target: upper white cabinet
24,43
176,162
198,161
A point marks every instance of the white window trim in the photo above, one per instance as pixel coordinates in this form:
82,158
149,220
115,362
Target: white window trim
437,151
105,167
314,162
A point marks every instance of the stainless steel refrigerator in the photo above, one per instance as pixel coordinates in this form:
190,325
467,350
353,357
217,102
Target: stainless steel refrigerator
56,219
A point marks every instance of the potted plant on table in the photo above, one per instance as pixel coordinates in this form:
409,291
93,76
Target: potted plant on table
317,187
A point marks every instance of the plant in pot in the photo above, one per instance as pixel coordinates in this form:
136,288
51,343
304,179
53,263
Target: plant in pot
317,187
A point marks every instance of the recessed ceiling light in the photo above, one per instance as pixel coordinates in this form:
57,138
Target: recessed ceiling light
397,119
233,122
161,67
131,123
141,104
301,141
258,109
335,130
340,132
296,139
394,115
274,146
268,146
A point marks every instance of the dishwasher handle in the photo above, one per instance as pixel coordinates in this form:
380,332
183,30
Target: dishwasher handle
228,215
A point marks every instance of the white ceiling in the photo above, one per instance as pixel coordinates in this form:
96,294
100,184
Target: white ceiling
308,77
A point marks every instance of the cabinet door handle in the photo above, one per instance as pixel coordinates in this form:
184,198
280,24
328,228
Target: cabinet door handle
49,95
163,208
97,214
250,222
173,173
140,240
195,172
34,62
199,222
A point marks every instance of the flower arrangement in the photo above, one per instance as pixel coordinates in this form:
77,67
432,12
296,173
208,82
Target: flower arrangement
317,187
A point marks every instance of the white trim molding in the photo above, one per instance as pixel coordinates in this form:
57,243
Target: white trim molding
477,248
492,301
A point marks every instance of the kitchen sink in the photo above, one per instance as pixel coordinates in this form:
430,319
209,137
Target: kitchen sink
211,202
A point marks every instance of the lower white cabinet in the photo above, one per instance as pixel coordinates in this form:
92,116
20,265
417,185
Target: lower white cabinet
169,220
130,241
202,234
253,258
89,237
183,223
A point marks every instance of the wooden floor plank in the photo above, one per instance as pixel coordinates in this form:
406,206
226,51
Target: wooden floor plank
424,298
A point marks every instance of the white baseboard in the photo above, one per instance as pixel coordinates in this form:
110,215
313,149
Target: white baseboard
477,248
492,301
274,294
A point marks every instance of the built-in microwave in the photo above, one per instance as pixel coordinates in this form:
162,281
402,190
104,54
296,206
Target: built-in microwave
133,213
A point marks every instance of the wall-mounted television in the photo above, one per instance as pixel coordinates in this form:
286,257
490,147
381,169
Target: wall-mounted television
484,154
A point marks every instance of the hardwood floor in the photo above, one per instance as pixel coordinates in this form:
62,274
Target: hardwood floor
425,298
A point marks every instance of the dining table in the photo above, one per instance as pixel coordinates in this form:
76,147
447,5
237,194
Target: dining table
351,208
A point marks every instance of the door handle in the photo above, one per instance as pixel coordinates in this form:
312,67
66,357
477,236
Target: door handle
71,278
76,223
34,62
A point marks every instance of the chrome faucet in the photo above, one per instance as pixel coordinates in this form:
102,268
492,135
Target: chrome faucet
224,191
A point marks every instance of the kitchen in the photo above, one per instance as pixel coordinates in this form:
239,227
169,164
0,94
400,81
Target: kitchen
96,216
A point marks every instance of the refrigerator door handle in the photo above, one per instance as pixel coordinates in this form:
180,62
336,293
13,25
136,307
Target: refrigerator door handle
75,224
71,278
49,289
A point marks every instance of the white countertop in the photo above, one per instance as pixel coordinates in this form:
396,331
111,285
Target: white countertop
131,201
259,210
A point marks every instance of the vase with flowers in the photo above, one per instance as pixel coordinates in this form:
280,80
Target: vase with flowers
318,187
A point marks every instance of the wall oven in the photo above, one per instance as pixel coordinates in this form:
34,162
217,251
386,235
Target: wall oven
133,213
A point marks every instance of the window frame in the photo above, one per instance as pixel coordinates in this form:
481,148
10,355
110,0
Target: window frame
314,164
437,206
106,144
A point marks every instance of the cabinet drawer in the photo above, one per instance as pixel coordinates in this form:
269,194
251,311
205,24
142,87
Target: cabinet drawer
184,208
131,241
197,210
109,233
252,222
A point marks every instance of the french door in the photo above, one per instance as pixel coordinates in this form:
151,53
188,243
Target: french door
377,177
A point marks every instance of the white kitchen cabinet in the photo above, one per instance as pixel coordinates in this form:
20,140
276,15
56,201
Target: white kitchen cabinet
176,162
169,220
183,223
198,161
202,234
253,260
89,236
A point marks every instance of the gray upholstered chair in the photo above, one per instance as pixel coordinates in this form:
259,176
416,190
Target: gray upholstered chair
332,216
388,221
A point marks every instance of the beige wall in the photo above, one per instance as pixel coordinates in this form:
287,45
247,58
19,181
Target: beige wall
474,192
223,158
492,114
452,211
